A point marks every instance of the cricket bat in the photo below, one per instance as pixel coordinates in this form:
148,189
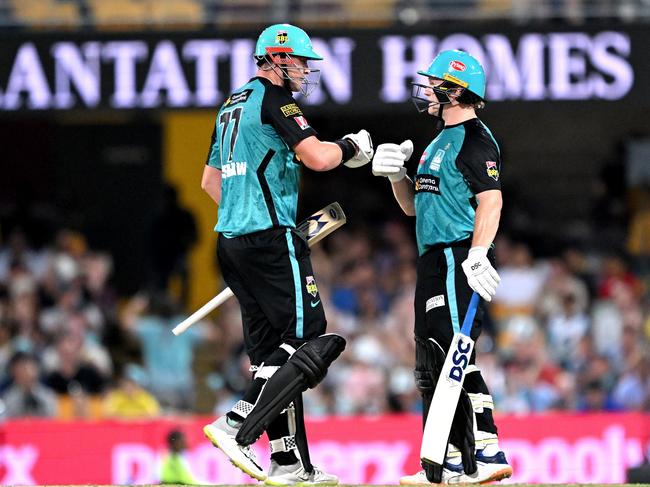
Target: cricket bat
314,228
448,389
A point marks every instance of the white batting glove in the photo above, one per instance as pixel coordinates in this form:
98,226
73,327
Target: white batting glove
481,276
363,143
390,158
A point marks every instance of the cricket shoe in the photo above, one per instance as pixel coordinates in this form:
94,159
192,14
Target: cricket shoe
296,475
222,435
451,474
493,468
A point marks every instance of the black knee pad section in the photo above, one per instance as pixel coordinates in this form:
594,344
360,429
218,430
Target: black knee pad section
429,358
304,370
314,357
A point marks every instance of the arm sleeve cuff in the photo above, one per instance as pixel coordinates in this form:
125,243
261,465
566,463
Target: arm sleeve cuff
348,148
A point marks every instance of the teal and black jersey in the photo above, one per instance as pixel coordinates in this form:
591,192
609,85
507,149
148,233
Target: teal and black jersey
252,142
461,162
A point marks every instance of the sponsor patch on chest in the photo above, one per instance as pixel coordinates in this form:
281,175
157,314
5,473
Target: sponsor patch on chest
426,183
437,160
241,97
435,302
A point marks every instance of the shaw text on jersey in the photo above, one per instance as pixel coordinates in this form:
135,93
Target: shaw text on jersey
233,169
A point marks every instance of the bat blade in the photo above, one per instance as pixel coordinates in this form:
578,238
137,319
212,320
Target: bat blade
448,389
314,228
445,400
319,225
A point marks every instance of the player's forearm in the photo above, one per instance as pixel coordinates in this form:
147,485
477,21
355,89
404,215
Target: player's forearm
318,155
405,196
211,183
327,157
214,192
486,223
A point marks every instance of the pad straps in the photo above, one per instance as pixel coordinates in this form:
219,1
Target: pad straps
301,435
286,443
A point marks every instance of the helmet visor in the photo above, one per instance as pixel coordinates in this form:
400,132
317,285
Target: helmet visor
421,94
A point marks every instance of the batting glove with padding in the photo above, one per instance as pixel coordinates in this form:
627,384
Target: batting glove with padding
481,276
390,158
363,143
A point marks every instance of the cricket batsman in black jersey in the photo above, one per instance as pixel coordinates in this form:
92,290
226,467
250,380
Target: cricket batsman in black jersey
260,141
456,200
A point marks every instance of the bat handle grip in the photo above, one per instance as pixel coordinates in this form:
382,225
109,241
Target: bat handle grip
469,316
202,312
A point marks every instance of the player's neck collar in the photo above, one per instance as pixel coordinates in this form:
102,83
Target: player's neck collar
460,123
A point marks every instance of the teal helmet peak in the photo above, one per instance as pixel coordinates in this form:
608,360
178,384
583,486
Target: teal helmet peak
460,68
285,39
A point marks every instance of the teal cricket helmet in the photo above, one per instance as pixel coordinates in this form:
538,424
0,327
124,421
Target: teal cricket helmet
460,68
287,39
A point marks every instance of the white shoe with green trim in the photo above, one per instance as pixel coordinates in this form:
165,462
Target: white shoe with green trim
222,435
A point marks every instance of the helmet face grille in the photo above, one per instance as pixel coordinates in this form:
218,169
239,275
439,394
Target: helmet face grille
422,102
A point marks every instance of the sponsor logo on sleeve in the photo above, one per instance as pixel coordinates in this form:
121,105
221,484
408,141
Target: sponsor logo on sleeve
290,110
492,170
302,122
425,183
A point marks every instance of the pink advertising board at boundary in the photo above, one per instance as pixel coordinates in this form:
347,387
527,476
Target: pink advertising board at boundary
556,448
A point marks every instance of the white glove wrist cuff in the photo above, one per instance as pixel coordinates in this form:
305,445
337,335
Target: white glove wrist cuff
395,178
478,250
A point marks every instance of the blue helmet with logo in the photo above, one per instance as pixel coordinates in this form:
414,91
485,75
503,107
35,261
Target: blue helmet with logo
285,39
460,68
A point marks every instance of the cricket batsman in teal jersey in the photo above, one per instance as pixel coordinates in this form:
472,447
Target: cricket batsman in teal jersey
456,200
260,141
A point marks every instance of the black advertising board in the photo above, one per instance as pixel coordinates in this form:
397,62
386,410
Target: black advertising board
364,71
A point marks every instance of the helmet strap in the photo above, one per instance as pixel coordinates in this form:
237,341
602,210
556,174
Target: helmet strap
438,121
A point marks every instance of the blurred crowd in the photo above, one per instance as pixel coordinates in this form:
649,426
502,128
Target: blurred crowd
235,14
70,348
563,333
